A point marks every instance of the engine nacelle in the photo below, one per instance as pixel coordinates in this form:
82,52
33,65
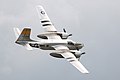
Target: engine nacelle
63,35
56,55
77,55
42,36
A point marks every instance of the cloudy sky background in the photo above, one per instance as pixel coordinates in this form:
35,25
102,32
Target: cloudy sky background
96,23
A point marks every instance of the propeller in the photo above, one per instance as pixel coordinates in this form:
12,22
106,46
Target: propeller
66,32
80,55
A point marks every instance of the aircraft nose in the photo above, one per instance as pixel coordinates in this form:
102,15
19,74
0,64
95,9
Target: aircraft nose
82,45
79,45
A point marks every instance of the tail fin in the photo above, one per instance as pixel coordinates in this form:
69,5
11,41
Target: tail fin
23,38
25,35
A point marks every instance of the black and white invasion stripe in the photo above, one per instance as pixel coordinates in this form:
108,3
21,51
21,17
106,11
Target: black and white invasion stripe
70,59
46,23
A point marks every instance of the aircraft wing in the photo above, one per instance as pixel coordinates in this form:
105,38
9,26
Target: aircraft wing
71,58
47,24
44,19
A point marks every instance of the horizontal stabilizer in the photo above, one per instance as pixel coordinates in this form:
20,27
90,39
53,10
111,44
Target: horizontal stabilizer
28,47
17,32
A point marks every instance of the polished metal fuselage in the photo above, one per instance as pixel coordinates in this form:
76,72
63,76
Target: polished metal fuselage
46,44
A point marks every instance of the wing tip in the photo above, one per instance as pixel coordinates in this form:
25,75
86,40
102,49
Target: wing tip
39,6
86,72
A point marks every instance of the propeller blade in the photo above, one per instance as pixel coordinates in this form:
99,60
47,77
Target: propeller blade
83,53
64,30
70,34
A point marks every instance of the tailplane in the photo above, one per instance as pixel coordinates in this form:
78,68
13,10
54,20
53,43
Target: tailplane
17,32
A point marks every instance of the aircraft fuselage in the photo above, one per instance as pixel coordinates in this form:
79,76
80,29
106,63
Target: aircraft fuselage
47,44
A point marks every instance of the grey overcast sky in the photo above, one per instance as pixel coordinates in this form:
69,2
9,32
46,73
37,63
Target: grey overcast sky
96,23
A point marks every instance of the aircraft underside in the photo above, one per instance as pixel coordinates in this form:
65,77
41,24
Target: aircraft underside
51,39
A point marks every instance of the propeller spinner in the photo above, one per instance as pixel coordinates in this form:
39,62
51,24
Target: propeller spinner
64,30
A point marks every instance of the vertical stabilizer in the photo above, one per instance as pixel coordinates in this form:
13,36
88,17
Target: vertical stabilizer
23,38
25,35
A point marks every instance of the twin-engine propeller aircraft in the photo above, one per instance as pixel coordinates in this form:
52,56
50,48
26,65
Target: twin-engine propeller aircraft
51,39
